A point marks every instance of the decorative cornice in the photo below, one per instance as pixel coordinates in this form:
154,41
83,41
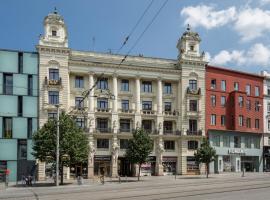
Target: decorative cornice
53,50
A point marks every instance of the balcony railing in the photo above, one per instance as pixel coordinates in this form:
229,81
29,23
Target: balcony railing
148,112
171,132
152,132
128,111
126,130
194,91
193,113
103,130
171,113
53,82
104,110
198,132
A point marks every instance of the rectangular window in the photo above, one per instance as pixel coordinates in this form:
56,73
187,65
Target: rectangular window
248,104
193,84
147,86
248,89
247,142
223,85
241,120
102,125
257,106
216,140
7,127
102,143
169,145
193,105
52,115
192,145
54,33
30,85
20,106
213,100
125,85
123,143
167,88
168,106
29,127
8,84
79,82
257,91
256,142
213,119
268,125
248,122
268,90
193,126
147,105
54,74
226,141
102,84
167,126
22,149
257,123
80,122
240,101
125,125
125,105
102,103
79,102
223,101
223,120
147,125
236,86
268,107
237,141
213,84
20,62
53,97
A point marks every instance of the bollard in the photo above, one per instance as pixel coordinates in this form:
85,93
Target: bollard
243,172
119,179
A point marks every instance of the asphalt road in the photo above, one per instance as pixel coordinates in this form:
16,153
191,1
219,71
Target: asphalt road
221,187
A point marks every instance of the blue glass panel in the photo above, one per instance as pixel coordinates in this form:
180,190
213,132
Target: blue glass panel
19,127
8,105
1,83
30,63
29,106
34,125
20,84
8,61
30,150
12,166
8,149
35,85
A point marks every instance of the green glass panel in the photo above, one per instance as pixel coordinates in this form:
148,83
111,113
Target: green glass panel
8,61
30,150
19,125
29,106
8,105
12,166
1,83
34,124
30,63
8,149
20,84
35,85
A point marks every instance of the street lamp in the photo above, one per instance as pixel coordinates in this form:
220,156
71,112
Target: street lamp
57,146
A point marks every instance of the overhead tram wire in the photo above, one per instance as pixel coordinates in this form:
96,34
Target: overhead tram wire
133,29
146,28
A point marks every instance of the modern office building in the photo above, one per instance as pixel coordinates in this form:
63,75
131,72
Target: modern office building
234,119
18,111
165,97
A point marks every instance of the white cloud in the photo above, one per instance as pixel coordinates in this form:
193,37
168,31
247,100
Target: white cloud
256,55
263,2
207,16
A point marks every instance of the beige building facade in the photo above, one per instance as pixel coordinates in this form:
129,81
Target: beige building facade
163,96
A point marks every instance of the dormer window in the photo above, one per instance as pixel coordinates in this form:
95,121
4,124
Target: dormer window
54,33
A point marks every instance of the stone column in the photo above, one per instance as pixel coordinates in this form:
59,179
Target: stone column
159,156
159,97
91,157
179,107
115,105
138,103
114,162
91,104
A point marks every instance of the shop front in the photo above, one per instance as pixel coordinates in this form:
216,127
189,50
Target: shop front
192,165
266,158
169,165
125,168
148,168
102,165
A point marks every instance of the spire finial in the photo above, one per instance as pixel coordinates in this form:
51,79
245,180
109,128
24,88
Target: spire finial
188,27
55,10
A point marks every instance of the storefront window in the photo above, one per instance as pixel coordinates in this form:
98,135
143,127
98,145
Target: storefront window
226,141
237,142
256,142
192,165
216,141
248,142
227,164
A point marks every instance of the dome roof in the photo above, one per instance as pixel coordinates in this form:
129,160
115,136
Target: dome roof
54,17
189,35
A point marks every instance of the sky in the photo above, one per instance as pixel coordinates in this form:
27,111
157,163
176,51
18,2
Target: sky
235,33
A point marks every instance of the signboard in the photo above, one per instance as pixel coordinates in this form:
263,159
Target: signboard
169,159
236,151
102,158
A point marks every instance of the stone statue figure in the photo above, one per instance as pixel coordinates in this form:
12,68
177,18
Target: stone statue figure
138,125
92,151
160,150
115,149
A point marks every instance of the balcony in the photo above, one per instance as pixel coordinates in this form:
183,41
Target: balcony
170,113
194,91
171,132
103,110
49,82
126,111
194,133
151,132
103,130
193,113
148,112
126,130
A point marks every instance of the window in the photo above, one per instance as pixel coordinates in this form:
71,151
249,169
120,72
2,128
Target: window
53,97
268,125
213,119
22,149
102,103
192,145
223,101
147,86
257,106
123,143
247,142
125,125
169,145
125,85
102,124
248,89
30,85
236,86
29,127
193,125
226,141
147,105
8,84
102,84
223,120
191,48
125,105
193,84
268,140
240,101
53,74
213,84
213,100
7,126
256,142
80,122
79,102
79,82
167,126
257,123
216,140
268,90
54,33
257,91
168,106
223,85
237,141
52,115
248,122
248,104
167,88
147,125
241,120
268,107
20,62
193,105
20,106
102,143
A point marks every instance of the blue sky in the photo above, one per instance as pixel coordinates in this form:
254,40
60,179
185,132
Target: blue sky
235,33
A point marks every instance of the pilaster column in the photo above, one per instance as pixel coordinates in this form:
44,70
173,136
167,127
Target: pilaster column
159,154
138,95
115,150
159,97
91,157
115,93
91,93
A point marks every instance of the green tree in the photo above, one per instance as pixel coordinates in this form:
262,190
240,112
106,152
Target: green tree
205,154
139,148
73,143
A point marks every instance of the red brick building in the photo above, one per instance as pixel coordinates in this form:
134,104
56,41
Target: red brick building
234,118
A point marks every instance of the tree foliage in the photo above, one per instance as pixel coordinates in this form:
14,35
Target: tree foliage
73,143
139,148
205,154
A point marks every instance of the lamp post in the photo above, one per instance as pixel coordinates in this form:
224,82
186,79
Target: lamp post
57,147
